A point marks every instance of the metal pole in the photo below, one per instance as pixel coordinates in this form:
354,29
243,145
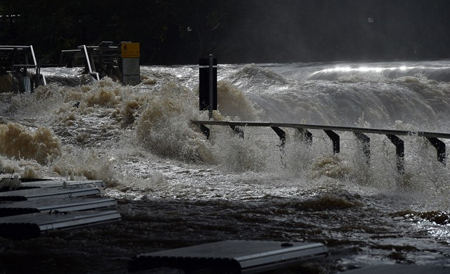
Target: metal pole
211,86
88,61
34,56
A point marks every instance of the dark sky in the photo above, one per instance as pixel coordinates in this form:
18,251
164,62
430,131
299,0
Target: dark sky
314,30
239,31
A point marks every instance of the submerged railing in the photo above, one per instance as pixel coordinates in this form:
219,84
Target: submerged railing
360,134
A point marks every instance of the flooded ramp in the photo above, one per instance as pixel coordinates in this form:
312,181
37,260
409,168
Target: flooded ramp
53,205
230,257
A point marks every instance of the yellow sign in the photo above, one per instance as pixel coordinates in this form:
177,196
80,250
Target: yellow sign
130,50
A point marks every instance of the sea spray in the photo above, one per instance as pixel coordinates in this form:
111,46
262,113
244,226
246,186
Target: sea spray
18,142
240,154
253,73
164,126
233,103
29,169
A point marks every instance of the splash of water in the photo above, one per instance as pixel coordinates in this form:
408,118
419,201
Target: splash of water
18,142
164,125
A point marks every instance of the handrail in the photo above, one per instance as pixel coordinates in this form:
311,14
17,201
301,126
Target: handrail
14,46
324,127
86,55
359,132
32,54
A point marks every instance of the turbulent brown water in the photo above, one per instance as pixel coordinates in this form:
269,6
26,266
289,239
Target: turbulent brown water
175,188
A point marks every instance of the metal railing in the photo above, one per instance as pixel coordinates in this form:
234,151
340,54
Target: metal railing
360,134
99,61
16,61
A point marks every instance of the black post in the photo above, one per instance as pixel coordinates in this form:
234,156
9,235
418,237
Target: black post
281,134
440,149
206,86
365,141
206,131
335,139
399,151
211,86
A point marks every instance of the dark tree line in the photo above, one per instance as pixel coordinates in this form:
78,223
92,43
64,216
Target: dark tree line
236,31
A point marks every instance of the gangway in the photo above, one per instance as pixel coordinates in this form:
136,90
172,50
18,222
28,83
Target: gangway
99,61
330,131
15,63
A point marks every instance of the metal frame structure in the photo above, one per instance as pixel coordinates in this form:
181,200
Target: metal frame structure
16,61
97,60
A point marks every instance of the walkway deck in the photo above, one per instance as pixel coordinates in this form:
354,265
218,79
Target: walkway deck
230,257
48,205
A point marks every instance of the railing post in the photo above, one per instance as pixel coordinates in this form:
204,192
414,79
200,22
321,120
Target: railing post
399,151
360,134
281,134
440,148
88,60
365,141
335,138
205,130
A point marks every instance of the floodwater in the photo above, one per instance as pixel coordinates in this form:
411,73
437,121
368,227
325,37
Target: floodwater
175,188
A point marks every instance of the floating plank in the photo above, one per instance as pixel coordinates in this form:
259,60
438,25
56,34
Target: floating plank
54,205
39,193
32,225
230,256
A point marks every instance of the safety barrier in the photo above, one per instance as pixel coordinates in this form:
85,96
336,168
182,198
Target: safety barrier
360,134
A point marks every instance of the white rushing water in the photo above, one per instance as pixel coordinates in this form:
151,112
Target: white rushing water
140,141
